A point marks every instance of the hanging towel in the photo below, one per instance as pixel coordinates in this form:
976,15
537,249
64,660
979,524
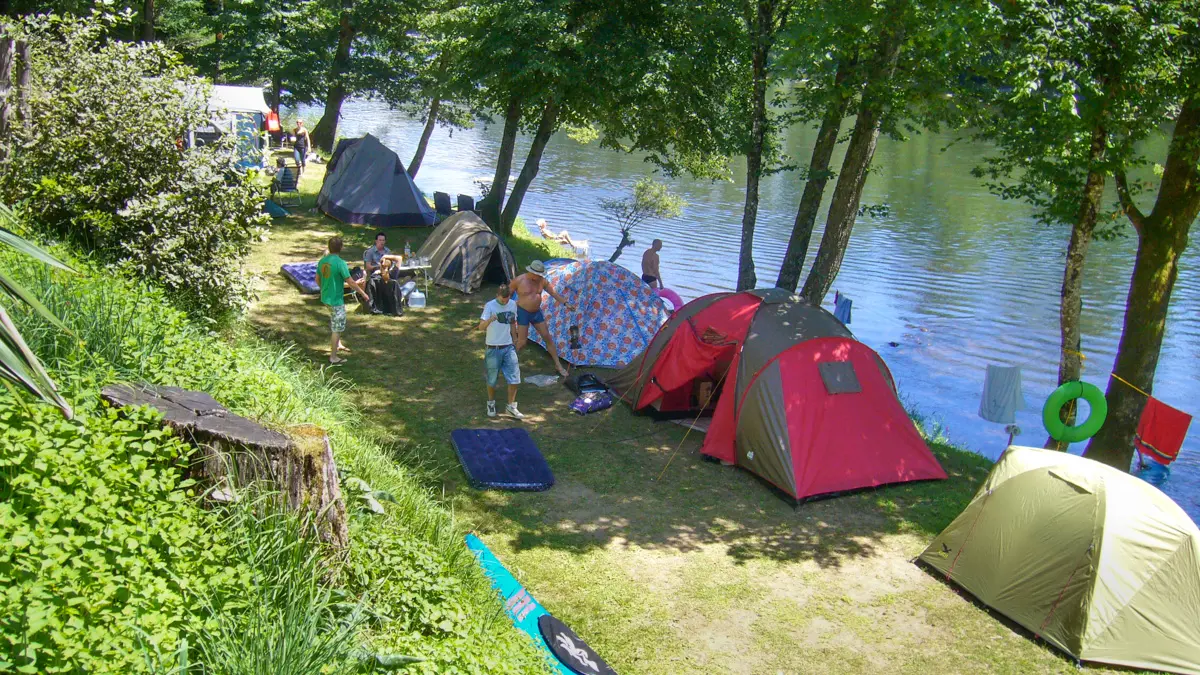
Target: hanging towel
1161,431
1002,396
841,309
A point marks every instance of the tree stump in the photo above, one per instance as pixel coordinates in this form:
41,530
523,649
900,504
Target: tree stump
237,452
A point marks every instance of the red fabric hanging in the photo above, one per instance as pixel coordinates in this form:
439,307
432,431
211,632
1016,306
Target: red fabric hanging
1161,431
272,121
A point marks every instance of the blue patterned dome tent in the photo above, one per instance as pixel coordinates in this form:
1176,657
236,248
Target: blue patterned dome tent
617,314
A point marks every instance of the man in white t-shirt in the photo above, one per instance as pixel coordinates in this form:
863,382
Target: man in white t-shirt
499,321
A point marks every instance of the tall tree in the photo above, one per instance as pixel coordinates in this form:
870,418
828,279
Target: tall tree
764,20
148,18
816,176
325,131
1162,237
860,151
919,50
1162,232
1079,72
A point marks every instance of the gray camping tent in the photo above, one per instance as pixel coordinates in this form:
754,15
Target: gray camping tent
463,251
367,183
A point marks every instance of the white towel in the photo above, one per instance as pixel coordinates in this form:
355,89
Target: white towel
1002,396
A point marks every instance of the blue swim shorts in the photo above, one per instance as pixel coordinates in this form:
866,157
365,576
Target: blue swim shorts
526,317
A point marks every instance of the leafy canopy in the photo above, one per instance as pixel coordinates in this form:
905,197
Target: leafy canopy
650,199
98,162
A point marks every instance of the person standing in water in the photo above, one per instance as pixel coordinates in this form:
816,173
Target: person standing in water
529,287
650,272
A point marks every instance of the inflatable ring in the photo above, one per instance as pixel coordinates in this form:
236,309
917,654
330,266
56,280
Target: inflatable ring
1068,392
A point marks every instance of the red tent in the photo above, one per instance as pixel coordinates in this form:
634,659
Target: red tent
794,397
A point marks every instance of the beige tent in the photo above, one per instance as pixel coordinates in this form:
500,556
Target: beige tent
1096,562
463,251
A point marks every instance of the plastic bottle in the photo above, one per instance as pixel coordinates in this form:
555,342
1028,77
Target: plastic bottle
407,250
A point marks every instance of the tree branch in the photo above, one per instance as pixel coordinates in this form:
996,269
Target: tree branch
1135,215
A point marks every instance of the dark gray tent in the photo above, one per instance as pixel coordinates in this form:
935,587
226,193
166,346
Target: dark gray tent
463,251
366,183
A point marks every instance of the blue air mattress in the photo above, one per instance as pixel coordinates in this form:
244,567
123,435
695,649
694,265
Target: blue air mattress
568,652
505,459
304,275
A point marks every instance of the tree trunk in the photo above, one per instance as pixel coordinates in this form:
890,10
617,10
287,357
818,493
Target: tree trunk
276,92
625,241
325,132
814,190
1070,361
1163,236
763,32
491,205
533,162
8,52
848,192
430,121
147,20
236,453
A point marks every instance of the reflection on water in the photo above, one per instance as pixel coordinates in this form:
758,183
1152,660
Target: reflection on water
953,277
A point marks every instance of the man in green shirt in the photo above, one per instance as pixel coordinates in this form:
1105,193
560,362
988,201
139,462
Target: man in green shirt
334,275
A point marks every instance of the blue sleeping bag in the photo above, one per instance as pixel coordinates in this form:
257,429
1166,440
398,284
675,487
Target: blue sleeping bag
532,619
304,275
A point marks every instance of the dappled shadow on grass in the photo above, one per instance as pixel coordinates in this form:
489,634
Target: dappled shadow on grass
420,376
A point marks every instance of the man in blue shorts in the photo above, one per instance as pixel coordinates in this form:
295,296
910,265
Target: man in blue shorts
529,287
499,321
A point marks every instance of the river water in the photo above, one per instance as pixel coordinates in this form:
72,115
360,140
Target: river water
952,279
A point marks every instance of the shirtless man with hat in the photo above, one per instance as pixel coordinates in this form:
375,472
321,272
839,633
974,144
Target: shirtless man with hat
529,287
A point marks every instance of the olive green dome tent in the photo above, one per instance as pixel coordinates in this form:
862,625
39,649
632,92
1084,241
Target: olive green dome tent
463,252
1096,562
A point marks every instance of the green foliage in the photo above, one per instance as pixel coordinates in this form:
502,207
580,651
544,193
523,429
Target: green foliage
287,621
407,573
18,365
101,544
97,163
651,199
1068,68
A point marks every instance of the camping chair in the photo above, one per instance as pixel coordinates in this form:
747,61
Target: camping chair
285,188
466,203
441,204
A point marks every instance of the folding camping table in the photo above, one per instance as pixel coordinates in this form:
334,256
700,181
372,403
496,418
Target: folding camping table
422,269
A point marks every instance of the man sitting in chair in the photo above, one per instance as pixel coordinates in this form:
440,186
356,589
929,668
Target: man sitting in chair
385,288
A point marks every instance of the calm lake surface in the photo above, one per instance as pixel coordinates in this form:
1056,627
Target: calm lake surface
955,277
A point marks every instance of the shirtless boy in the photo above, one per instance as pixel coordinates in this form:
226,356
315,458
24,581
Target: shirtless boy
529,287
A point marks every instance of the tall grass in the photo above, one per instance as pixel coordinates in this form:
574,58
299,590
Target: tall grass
406,584
289,622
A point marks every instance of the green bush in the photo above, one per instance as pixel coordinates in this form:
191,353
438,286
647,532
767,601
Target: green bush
102,547
97,163
420,591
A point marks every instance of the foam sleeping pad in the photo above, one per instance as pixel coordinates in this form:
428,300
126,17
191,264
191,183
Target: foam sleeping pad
504,459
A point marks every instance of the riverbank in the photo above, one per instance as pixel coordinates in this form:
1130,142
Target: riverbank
953,279
704,570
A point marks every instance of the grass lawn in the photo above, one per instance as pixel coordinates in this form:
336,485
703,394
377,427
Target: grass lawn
704,570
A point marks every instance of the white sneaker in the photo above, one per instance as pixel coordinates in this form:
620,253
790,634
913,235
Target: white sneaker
491,408
512,411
